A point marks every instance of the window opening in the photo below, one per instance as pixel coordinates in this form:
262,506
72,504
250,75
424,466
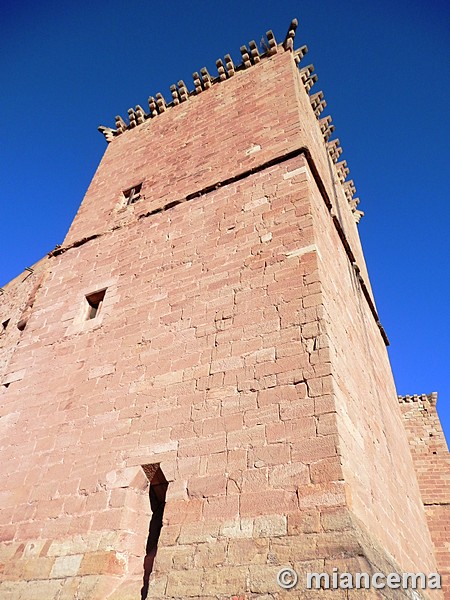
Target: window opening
94,302
133,194
157,496
4,325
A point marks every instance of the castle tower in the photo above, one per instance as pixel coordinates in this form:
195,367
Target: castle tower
203,353
432,464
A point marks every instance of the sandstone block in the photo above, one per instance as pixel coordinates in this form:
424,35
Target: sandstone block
66,566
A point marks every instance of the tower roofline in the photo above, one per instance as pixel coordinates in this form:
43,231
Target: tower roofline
226,69
203,80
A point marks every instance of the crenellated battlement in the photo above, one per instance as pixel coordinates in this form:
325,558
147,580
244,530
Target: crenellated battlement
422,423
226,69
431,398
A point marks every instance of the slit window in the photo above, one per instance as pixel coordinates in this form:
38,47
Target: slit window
157,497
133,194
94,304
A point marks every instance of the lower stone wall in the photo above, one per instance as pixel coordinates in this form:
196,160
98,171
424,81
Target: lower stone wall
88,563
438,517
242,565
313,541
43,586
83,567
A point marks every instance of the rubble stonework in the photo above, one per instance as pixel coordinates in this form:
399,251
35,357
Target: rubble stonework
207,327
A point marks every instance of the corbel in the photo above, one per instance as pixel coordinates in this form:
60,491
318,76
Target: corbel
288,43
245,57
273,48
121,126
254,52
160,102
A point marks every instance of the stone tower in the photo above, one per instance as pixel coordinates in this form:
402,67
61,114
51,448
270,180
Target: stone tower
195,386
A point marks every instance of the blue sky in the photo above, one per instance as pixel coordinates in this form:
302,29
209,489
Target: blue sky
68,67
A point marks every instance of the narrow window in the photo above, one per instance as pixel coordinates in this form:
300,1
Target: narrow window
133,194
94,304
157,495
5,325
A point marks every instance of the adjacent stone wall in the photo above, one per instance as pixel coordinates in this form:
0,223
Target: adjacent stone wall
16,302
432,464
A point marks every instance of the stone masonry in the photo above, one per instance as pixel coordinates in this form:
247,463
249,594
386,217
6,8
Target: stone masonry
432,464
204,351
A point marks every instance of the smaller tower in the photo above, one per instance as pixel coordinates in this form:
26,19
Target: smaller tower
431,460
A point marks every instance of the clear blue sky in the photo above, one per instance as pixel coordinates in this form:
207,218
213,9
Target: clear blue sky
68,67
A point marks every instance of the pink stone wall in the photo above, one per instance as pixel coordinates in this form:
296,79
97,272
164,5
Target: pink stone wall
16,302
259,114
233,347
197,363
431,459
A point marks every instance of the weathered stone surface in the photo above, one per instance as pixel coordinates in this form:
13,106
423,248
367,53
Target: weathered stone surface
236,348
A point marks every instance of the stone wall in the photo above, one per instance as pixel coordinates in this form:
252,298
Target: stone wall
432,464
233,347
16,303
